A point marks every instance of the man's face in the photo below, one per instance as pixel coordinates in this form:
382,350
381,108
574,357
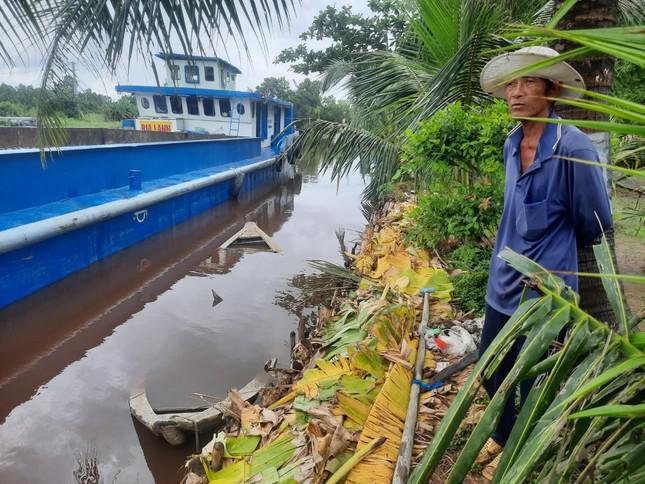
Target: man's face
526,97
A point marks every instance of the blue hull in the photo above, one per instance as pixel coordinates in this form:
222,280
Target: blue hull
80,209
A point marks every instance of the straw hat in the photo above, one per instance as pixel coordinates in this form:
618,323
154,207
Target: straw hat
497,72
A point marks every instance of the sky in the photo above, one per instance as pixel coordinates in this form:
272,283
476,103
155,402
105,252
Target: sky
255,67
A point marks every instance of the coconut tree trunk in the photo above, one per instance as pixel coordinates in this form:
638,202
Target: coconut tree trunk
598,74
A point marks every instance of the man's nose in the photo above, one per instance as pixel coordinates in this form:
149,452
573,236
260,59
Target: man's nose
516,89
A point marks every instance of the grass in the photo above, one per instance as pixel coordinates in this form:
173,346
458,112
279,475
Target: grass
90,120
625,203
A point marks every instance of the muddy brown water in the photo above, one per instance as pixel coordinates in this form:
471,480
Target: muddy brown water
73,353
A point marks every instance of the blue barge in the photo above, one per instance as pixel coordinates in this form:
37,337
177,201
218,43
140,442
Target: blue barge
93,201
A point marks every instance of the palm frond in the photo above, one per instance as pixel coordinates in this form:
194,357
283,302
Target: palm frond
343,148
20,27
627,43
386,419
597,374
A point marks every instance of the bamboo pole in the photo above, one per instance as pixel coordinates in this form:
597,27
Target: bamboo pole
402,468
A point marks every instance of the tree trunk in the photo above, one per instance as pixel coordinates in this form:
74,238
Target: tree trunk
598,74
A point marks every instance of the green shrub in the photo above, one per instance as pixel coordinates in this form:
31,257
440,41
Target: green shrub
456,215
12,109
470,286
457,145
456,159
123,108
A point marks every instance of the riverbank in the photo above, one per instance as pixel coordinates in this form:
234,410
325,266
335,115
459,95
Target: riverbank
349,380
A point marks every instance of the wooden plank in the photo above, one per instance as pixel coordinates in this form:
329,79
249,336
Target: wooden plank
251,233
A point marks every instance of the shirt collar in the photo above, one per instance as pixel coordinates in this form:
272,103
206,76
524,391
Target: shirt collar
548,141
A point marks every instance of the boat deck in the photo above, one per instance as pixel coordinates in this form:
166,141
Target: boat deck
60,207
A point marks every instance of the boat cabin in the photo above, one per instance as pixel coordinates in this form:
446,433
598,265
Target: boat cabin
199,95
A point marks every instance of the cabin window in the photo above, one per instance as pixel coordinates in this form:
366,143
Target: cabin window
209,74
225,107
209,106
160,103
175,105
145,103
192,74
174,73
253,109
192,105
240,108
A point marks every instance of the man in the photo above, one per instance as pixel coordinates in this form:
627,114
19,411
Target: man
552,205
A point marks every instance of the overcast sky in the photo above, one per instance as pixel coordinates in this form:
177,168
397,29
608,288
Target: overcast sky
254,70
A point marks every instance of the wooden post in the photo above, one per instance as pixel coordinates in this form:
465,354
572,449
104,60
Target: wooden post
402,468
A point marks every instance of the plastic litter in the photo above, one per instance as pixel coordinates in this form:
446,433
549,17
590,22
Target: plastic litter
441,365
455,341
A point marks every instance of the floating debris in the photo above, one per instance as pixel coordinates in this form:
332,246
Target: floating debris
251,236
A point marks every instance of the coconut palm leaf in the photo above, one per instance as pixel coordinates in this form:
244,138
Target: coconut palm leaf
341,148
448,44
620,411
624,42
640,173
20,27
595,368
386,419
609,126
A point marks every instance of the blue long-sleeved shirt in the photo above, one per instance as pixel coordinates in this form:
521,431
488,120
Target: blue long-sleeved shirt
548,211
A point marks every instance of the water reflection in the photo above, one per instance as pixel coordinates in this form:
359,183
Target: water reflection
85,307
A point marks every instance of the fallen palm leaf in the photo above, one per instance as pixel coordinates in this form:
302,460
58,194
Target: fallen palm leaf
353,408
355,459
309,383
242,445
368,360
357,385
386,419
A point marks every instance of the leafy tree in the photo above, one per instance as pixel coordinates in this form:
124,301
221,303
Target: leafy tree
91,102
63,98
11,109
21,95
306,98
337,111
351,33
275,86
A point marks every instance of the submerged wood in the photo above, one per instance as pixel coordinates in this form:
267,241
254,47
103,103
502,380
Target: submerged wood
251,234
173,426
